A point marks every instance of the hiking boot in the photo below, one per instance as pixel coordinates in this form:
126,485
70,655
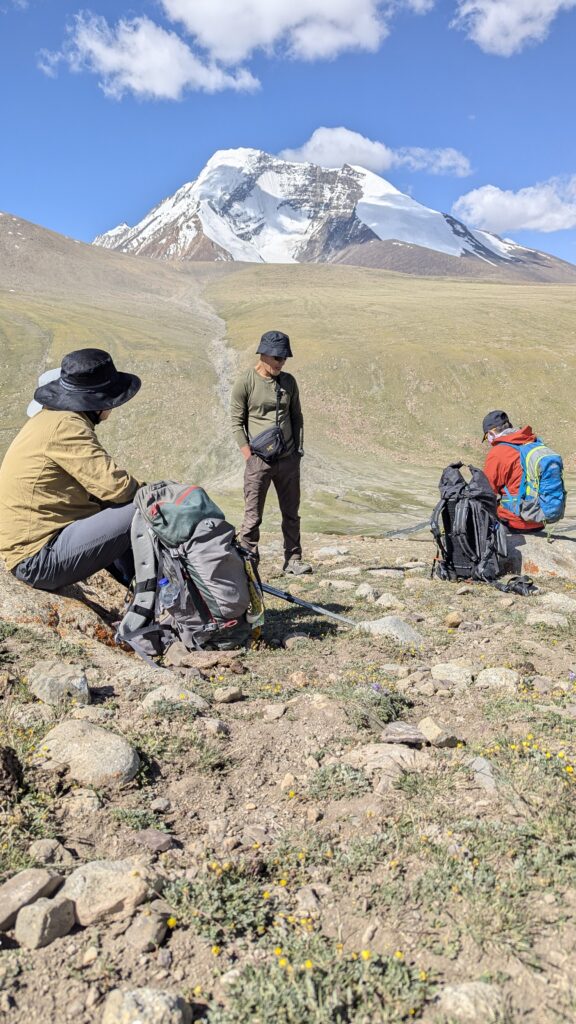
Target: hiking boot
296,567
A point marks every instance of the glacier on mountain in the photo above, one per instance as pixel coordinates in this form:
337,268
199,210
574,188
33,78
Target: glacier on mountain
250,206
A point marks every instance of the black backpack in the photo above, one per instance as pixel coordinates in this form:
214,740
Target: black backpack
470,539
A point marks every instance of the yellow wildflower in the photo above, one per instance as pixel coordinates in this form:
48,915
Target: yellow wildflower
171,922
365,954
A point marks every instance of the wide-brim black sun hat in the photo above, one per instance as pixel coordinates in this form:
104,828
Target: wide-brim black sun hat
88,382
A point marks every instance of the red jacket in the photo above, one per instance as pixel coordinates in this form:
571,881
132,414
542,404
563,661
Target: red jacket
503,469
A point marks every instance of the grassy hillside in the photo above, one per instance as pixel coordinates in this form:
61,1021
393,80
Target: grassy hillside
395,372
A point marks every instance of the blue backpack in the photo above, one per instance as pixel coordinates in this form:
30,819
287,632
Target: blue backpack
541,496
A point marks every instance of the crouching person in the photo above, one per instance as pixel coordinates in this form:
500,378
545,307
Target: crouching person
65,506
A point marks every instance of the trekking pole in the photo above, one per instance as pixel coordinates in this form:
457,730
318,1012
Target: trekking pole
284,595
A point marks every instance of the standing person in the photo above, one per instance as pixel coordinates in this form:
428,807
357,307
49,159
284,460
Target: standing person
268,427
65,506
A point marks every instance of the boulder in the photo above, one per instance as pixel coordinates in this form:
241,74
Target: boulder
54,682
93,756
532,554
38,924
542,617
49,851
483,775
389,602
438,733
453,672
146,932
145,1006
22,889
474,1002
508,678
105,887
227,694
558,603
366,591
172,693
402,732
394,628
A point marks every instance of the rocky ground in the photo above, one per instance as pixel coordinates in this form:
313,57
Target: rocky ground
335,826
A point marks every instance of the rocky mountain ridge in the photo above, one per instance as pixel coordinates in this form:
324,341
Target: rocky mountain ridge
250,206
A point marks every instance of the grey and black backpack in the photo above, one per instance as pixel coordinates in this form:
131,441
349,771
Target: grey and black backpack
183,546
469,536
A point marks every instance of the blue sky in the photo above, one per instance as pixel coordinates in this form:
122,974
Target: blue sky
468,105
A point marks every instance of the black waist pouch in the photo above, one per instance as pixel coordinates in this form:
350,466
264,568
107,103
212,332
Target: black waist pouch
269,444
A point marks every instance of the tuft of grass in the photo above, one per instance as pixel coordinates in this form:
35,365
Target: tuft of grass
227,901
337,782
138,818
309,978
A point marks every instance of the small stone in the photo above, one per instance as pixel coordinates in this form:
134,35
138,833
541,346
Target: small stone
346,570
506,602
54,682
558,603
105,887
22,889
272,712
171,693
160,804
394,628
474,1002
298,678
90,956
145,1006
330,552
313,814
288,782
146,932
340,584
154,839
42,922
426,689
453,620
483,775
374,758
452,672
402,732
294,640
93,756
49,851
466,589
545,618
438,733
366,591
508,678
307,902
227,694
212,727
388,574
389,602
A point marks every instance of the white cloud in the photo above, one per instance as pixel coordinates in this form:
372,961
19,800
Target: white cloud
230,30
333,147
549,206
504,27
140,57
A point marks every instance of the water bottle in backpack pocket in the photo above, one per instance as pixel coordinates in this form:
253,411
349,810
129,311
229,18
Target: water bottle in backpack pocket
541,497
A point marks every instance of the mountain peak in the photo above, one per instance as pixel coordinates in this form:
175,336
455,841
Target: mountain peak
252,206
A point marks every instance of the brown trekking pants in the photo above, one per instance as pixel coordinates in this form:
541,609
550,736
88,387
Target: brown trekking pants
285,475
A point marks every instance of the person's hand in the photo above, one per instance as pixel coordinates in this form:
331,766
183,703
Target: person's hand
246,452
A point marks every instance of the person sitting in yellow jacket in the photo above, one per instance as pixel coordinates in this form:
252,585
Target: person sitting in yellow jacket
65,506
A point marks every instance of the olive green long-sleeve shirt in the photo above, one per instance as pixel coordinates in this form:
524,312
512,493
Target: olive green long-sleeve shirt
54,473
253,409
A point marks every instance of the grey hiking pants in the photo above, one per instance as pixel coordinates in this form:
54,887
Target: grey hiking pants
285,475
101,541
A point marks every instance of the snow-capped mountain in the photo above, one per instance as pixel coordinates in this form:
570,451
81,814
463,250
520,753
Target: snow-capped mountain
250,206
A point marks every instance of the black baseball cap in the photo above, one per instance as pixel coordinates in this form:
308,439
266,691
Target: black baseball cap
493,420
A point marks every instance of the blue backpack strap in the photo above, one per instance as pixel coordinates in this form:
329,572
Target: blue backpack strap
512,502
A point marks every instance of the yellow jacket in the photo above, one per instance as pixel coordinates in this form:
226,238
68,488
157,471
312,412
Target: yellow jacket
54,473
